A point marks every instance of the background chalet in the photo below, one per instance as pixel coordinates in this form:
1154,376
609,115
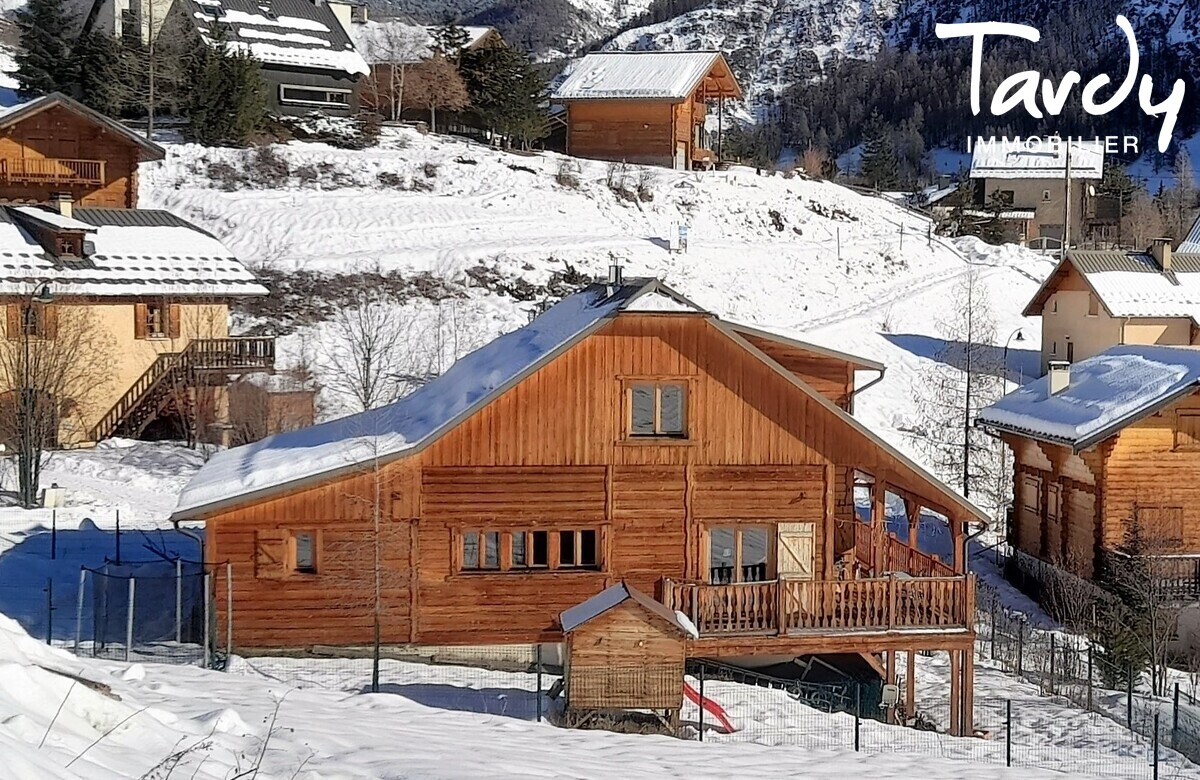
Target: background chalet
622,435
647,107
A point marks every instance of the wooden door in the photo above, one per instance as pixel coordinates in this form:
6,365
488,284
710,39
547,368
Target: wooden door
797,548
1029,517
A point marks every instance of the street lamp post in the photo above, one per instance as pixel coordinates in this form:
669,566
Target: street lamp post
1018,336
27,453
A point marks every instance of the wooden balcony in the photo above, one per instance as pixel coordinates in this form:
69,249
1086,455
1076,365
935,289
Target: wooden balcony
51,170
807,607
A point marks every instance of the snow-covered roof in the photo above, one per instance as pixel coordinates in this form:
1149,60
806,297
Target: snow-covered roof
1131,284
642,75
1191,242
1036,158
288,33
394,430
299,459
1017,214
127,252
1106,392
394,41
14,111
614,595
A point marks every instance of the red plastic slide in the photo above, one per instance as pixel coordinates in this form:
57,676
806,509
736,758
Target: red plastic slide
710,706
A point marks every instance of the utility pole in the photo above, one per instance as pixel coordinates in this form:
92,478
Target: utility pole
1066,235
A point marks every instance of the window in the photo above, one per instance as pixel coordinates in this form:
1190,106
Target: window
1054,305
68,246
577,549
1093,306
1070,351
156,321
739,554
529,550
304,552
1187,430
1046,196
32,324
1161,527
314,96
658,409
1053,347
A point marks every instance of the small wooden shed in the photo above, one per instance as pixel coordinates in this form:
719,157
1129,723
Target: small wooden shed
624,651
647,107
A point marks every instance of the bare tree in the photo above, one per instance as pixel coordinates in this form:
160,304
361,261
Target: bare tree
1179,201
1142,221
968,376
815,162
52,360
379,351
436,84
392,49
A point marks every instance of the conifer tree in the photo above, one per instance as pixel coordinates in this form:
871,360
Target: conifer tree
44,62
225,95
879,166
507,92
97,63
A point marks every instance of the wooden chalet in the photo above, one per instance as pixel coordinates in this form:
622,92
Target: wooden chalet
624,435
54,145
647,107
1100,446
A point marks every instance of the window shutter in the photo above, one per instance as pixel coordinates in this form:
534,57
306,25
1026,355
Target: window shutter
13,324
173,315
140,315
270,553
49,322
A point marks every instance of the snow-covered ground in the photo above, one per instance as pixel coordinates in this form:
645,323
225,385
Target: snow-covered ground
68,717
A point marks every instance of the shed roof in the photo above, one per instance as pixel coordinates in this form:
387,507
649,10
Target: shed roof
1130,284
288,33
1036,158
1106,393
613,596
648,75
17,112
131,252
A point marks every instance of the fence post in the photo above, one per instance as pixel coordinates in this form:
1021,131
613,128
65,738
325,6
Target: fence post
1008,732
857,714
539,683
993,626
1052,662
207,609
50,611
1129,699
702,700
1156,745
118,515
229,615
129,617
1175,717
1090,675
53,534
79,609
1020,647
178,601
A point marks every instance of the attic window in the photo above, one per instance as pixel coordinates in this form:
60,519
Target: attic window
1045,196
68,245
657,409
1093,306
1187,430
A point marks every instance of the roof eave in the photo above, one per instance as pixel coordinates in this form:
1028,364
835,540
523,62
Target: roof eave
202,511
865,364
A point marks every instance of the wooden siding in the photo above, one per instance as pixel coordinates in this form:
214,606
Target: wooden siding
1145,470
551,452
57,133
634,131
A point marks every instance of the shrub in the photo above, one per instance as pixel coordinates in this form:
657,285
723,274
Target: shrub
430,169
391,179
645,185
567,174
267,168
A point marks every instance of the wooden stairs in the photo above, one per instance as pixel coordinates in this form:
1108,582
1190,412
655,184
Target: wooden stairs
202,363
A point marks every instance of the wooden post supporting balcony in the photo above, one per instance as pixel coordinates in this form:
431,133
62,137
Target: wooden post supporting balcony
879,523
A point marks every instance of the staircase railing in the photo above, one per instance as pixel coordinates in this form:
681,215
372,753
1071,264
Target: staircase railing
234,354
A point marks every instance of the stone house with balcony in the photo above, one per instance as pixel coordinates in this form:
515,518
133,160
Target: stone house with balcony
119,320
1102,446
54,145
623,435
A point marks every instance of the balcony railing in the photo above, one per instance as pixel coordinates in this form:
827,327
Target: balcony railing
51,170
797,607
1173,576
